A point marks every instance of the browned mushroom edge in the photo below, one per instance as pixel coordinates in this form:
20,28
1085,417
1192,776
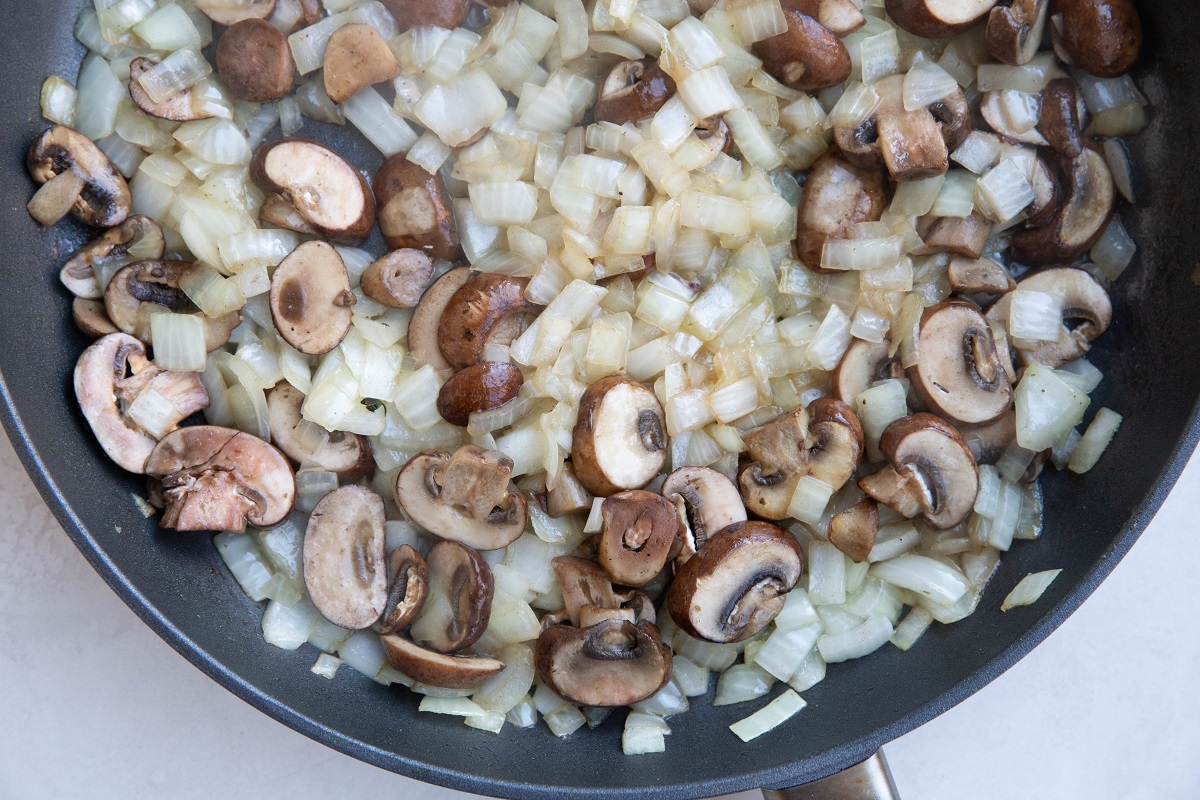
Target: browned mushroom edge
620,440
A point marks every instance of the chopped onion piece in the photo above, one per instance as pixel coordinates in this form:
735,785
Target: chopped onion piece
99,96
326,666
1095,441
928,577
831,340
755,20
856,642
503,204
734,401
179,342
893,541
810,499
694,42
1122,170
638,741
453,706
1030,589
1005,191
957,198
458,111
912,628
741,683
176,73
979,152
927,83
782,653
709,93
375,119
858,102
1047,408
879,56
771,716
861,254
1035,316
288,628
826,574
692,680
168,29
1114,251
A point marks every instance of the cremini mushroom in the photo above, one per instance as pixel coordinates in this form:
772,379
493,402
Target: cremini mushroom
707,501
1013,115
218,479
988,442
1046,195
567,495
824,441
415,210
938,19
931,472
488,308
427,318
853,531
583,583
357,57
485,386
1061,122
157,283
349,455
864,365
311,301
640,532
843,17
620,439
230,12
408,589
964,236
279,212
178,108
135,239
736,584
398,279
459,604
1079,221
1087,313
91,318
94,191
958,371
419,13
345,564
106,396
979,276
1015,30
254,62
1101,37
613,663
325,190
466,498
633,91
808,55
437,669
837,196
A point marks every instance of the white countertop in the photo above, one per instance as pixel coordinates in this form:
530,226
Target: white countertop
94,705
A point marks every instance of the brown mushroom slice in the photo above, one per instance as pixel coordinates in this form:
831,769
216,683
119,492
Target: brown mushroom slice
568,495
483,387
90,317
311,301
178,108
864,365
583,583
1101,37
979,276
805,57
357,57
466,498
415,210
325,189
419,13
638,602
958,371
837,196
1061,120
345,564
311,12
735,585
931,465
398,279
459,603
853,531
707,500
995,110
964,236
105,395
938,19
988,442
135,239
824,440
279,212
1014,32
157,283
639,532
620,439
843,17
1081,219
426,320
1045,196
613,663
486,309
254,62
438,669
218,479
231,12
103,199
407,592
349,455
633,91
1085,304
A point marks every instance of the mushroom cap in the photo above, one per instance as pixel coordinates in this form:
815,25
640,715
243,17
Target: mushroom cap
1084,301
633,91
853,531
938,19
481,387
415,210
348,454
178,108
620,440
1014,32
104,201
427,318
864,364
254,61
707,500
311,301
979,276
807,56
158,282
417,13
345,564
736,584
278,212
1102,37
219,479
407,591
226,13
459,601
438,669
639,534
1086,209
487,308
356,57
398,279
613,663
837,196
136,238
958,371
1061,121
932,456
91,318
583,583
466,497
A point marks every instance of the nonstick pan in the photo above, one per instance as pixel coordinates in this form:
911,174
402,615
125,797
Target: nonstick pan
178,585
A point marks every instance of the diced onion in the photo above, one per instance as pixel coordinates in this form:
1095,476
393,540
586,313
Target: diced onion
927,83
742,683
168,29
1035,316
639,741
709,93
771,716
179,342
1114,251
99,96
375,119
690,676
1005,191
934,579
1030,589
288,628
1047,408
1095,440
879,56
462,108
856,642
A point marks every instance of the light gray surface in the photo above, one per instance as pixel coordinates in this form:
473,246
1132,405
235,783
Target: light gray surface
95,706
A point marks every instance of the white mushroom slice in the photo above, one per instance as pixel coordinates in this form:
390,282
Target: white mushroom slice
613,663
853,531
707,500
1085,304
979,276
101,195
347,454
958,371
398,279
931,458
568,495
345,567
459,604
437,669
583,583
91,318
356,57
864,365
311,301
487,309
633,91
620,440
837,196
157,282
1014,115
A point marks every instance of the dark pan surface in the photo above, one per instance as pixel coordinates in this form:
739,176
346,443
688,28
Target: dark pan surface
180,588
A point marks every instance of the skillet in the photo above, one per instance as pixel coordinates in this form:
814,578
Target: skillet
178,585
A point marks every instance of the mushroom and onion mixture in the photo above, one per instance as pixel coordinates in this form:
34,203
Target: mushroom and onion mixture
697,337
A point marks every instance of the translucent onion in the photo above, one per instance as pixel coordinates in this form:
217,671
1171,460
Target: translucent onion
168,29
1030,589
708,92
911,628
58,101
927,83
308,44
99,95
637,741
771,716
695,44
979,152
926,576
831,340
879,56
856,642
1005,191
288,628
1047,408
1035,316
1114,251
458,111
1095,441
741,683
957,198
179,342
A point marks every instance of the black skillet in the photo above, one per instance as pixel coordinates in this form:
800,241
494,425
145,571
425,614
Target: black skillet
177,584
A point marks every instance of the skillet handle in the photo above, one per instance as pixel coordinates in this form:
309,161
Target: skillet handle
870,780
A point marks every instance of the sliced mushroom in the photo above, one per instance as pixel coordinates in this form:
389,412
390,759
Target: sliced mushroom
1079,221
1101,37
837,196
466,497
620,440
584,583
357,57
843,17
639,603
1061,121
938,19
102,199
398,279
345,564
178,108
707,500
1087,313
568,494
135,239
807,56
958,371
613,663
979,276
633,91
279,212
231,12
639,534
105,395
419,13
459,605
483,387
254,62
864,365
311,12
328,193
824,440
735,585
91,318
1046,196
407,592
311,301
716,134
415,210
427,318
488,308
912,144
590,615
931,472
964,236
853,531
437,669
157,282
1014,115
1014,32
349,455
218,479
